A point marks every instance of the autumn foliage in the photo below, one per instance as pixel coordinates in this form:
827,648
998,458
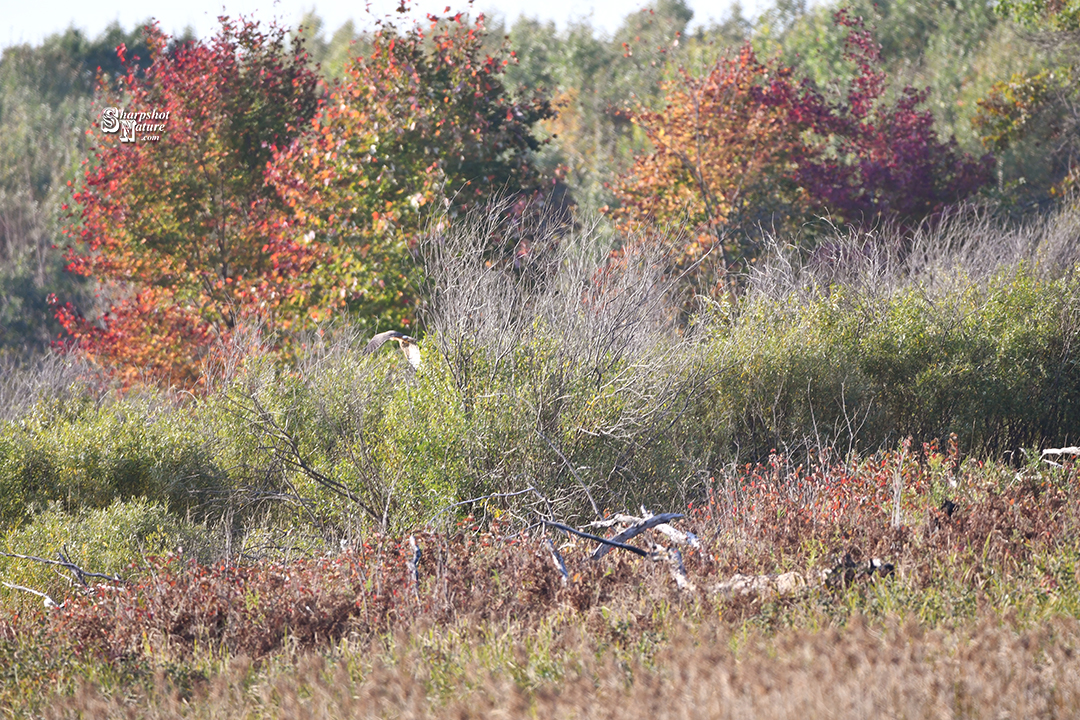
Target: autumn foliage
871,159
263,203
176,230
421,123
271,199
724,149
747,146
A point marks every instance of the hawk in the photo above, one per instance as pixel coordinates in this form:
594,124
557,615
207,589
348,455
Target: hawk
407,344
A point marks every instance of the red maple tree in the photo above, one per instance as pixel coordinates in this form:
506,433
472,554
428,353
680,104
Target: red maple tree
421,122
176,229
748,146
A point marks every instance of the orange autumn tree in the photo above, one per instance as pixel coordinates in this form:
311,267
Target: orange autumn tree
723,152
178,230
422,122
746,148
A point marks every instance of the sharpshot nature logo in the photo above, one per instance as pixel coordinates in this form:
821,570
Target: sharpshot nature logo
134,126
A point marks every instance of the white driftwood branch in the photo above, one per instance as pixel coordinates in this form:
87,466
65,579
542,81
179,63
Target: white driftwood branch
784,584
413,563
1058,451
634,530
678,536
616,519
675,565
63,562
49,602
1062,451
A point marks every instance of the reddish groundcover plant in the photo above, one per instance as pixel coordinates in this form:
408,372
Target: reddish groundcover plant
177,229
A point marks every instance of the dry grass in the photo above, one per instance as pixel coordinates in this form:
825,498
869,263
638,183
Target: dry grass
985,669
978,619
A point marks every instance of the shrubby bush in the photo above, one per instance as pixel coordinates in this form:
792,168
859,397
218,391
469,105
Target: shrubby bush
82,454
106,540
991,363
969,330
550,370
296,437
561,380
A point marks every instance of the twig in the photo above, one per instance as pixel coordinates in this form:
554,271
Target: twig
520,533
295,458
596,538
572,472
82,574
485,497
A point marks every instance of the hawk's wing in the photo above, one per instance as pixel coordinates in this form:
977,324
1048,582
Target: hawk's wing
407,343
379,340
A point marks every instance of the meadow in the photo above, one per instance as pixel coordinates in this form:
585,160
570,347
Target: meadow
902,548
749,376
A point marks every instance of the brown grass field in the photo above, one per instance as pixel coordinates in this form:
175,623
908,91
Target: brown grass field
977,618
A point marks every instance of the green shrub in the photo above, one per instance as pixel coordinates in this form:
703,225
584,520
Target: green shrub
85,455
106,540
296,440
991,361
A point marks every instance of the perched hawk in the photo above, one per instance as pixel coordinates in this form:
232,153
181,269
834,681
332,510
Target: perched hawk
407,344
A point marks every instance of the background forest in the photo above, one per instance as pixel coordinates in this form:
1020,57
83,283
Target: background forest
595,105
808,280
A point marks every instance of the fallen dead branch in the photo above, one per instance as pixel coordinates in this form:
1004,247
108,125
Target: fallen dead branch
597,538
80,574
413,564
675,564
638,525
1058,451
49,602
782,585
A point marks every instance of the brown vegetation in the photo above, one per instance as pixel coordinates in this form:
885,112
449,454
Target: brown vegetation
976,617
981,670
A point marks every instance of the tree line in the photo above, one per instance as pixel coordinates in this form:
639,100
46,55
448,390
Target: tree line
296,173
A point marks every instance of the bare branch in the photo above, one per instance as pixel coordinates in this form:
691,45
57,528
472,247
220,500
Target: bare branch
597,538
492,496
634,530
572,471
49,602
678,536
64,563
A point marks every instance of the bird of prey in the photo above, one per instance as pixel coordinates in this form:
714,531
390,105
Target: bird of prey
407,344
